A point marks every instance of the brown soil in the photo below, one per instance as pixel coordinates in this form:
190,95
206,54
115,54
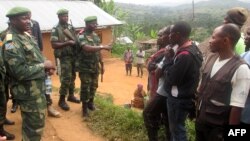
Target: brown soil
71,127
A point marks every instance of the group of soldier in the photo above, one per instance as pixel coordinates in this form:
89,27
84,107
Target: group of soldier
26,68
212,88
221,96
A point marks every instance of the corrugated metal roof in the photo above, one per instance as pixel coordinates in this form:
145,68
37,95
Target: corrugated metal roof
45,12
150,41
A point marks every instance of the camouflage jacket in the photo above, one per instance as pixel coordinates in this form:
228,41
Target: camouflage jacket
57,34
2,70
3,34
24,63
88,61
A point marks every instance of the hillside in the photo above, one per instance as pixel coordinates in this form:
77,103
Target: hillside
207,15
212,7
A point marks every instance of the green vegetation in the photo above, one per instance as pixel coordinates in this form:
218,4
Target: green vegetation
142,22
130,29
207,15
117,123
118,49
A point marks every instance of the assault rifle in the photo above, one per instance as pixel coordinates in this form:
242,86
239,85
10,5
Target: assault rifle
69,35
101,71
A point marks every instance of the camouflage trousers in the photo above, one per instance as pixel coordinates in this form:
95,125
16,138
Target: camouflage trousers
7,89
2,107
67,76
89,84
33,118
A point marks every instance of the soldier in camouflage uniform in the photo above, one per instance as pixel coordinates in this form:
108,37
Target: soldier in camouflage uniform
88,63
36,33
3,104
6,83
26,66
63,41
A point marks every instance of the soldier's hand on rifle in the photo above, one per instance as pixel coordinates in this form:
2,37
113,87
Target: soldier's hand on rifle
50,71
71,42
48,64
49,67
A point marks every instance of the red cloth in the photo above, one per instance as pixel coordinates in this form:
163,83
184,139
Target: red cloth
153,84
155,55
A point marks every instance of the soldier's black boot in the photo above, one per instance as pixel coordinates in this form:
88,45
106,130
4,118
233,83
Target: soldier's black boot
62,103
85,109
91,105
73,99
8,135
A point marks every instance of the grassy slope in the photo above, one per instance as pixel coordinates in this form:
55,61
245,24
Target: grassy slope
122,124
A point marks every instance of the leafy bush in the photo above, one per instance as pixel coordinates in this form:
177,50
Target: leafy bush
190,130
118,49
117,123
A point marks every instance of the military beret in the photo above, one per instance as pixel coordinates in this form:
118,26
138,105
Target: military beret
62,11
15,11
237,15
90,19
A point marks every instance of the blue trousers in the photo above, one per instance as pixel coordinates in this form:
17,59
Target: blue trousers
178,110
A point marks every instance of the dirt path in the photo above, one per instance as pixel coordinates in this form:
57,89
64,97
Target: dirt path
71,127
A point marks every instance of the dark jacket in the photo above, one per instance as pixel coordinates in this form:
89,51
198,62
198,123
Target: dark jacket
183,72
36,32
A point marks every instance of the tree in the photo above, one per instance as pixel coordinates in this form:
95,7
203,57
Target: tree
133,31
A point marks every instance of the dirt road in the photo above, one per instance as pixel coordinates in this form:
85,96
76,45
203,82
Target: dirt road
71,127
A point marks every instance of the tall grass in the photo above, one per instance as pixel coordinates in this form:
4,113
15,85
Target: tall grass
117,123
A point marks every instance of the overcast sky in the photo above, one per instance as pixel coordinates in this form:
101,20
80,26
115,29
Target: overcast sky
172,2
